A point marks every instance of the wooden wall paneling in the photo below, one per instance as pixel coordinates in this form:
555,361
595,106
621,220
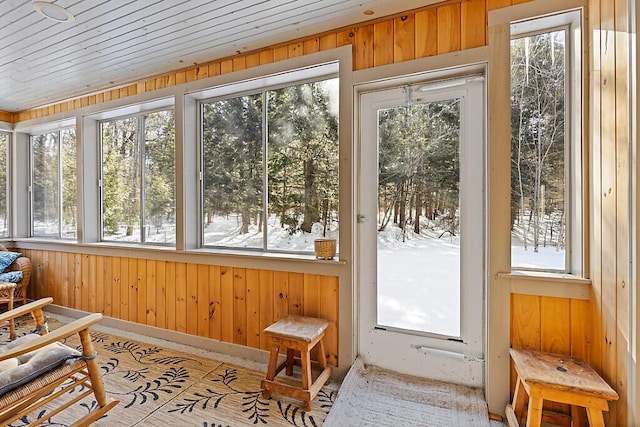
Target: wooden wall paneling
239,63
623,221
52,279
328,41
116,287
191,75
91,284
44,277
609,200
84,282
280,295
329,311
404,36
226,66
426,34
107,280
295,50
555,323
60,266
266,56
296,294
203,300
382,43
239,306
161,294
99,286
125,289
214,302
267,299
473,24
311,300
214,69
151,291
595,134
141,294
192,299
226,304
363,48
253,307
71,278
181,296
311,45
280,53
77,286
252,60
580,329
345,37
133,290
526,322
171,285
449,28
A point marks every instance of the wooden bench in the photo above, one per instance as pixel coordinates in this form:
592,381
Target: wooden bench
557,378
296,333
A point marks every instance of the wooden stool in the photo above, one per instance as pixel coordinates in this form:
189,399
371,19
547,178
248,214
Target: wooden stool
296,333
563,379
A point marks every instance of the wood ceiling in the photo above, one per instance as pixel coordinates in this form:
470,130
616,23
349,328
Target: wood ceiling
113,42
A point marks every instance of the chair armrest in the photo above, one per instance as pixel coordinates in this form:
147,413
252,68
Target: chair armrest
22,264
69,329
25,309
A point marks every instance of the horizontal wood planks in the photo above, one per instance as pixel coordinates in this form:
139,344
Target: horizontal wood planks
224,303
444,27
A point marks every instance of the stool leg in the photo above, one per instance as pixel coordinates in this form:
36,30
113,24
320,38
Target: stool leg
290,357
534,414
595,417
271,369
305,364
519,399
322,358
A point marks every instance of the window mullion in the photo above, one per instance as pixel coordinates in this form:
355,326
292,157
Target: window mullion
141,150
60,184
265,169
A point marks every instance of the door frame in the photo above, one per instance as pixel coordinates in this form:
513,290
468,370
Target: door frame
447,359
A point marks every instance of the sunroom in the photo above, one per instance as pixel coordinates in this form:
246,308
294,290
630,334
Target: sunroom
468,168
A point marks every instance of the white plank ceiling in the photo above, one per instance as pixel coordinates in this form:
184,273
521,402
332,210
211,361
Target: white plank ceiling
114,42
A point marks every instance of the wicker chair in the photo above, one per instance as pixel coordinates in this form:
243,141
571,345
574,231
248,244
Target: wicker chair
51,387
23,264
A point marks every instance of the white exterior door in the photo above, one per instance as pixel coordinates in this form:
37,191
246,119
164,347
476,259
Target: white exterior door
421,229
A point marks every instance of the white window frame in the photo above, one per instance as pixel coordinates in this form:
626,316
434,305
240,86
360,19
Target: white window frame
57,129
138,114
261,85
575,200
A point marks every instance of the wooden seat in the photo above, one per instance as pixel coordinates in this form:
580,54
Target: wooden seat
557,378
296,333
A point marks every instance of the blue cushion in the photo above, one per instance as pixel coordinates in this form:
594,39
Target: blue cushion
11,276
7,258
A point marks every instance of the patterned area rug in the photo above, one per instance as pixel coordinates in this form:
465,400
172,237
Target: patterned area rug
159,386
370,396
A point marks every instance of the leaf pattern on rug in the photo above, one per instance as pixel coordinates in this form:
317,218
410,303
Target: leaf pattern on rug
167,383
255,408
144,355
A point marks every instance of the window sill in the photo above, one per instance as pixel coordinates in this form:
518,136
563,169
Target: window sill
560,285
224,257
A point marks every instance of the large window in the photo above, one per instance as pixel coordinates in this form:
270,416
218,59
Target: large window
4,211
270,168
545,145
54,184
138,178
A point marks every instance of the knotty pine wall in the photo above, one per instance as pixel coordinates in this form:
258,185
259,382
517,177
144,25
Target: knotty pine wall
609,351
229,304
171,295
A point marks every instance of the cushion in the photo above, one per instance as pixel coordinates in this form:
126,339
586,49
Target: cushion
20,370
7,258
11,276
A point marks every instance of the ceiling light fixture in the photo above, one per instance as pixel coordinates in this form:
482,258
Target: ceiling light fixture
53,11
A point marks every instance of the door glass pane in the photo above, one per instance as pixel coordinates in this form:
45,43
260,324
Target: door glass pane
418,218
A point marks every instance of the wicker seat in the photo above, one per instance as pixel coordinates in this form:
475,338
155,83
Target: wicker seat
26,395
21,264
